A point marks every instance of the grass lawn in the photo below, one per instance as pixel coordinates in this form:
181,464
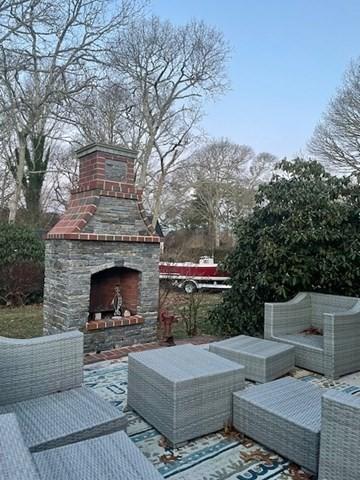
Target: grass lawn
27,321
21,322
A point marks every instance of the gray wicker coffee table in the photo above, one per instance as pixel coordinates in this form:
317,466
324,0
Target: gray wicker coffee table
285,416
184,392
264,360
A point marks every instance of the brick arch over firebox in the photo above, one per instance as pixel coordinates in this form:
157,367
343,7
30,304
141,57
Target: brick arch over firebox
131,263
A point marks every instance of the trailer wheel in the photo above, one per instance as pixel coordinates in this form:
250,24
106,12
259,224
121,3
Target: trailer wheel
190,287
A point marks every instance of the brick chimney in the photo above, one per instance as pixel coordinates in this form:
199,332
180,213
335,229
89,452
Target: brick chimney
106,172
103,240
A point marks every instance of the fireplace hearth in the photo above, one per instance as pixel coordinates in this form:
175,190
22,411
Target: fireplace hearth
103,244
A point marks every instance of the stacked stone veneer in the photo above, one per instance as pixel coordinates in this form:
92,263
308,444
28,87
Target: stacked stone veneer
104,226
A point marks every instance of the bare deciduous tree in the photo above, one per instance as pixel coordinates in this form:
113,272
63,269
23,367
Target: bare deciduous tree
170,150
62,177
169,71
47,62
106,114
160,76
217,184
336,139
13,14
214,176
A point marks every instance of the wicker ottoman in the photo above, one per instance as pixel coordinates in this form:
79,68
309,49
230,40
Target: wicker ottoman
184,391
264,360
283,415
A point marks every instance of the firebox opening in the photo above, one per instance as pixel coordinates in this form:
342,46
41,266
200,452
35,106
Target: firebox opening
103,288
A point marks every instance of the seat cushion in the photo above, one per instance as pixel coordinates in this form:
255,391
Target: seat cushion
65,417
311,341
285,416
15,459
290,399
107,458
309,350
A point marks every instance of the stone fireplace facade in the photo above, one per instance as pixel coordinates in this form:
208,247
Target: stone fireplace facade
103,241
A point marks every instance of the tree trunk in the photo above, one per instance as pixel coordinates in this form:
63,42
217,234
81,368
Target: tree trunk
37,160
3,195
13,207
217,236
32,200
144,159
157,201
214,233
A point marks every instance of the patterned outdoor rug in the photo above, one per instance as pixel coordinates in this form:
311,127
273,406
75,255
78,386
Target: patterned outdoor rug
219,456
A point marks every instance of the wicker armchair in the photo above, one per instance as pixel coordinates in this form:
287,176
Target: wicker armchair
41,382
334,353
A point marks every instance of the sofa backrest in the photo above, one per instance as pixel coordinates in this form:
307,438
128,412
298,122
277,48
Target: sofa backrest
322,303
31,368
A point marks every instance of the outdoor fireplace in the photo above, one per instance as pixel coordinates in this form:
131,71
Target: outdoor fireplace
103,288
103,247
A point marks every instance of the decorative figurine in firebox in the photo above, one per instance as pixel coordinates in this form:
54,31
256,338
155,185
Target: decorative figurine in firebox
117,302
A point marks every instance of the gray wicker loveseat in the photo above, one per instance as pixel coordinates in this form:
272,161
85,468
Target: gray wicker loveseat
52,427
41,383
108,457
334,353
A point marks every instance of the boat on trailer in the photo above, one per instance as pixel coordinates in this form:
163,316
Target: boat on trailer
195,276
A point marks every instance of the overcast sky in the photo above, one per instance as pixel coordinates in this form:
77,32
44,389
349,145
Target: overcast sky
288,58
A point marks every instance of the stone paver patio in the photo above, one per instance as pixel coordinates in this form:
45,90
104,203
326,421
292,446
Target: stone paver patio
225,455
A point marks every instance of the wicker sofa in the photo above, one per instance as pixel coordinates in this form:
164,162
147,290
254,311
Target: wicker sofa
106,458
41,383
334,353
53,427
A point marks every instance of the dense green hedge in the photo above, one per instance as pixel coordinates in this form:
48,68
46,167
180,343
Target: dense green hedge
19,243
21,265
303,235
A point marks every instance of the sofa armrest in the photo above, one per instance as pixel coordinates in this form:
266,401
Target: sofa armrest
15,459
289,317
35,367
341,342
339,438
